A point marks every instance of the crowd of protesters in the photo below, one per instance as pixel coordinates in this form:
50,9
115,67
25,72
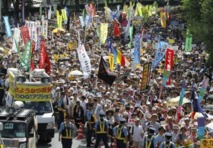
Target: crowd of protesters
141,116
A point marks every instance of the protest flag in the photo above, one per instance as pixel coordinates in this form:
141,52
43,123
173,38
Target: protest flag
123,60
7,26
182,93
115,55
44,62
116,28
119,56
163,18
195,103
169,62
145,77
104,74
188,43
111,61
103,32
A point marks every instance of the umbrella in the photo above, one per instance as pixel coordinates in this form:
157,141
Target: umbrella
58,29
175,101
75,73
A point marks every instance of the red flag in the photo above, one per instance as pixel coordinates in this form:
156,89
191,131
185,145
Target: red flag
122,60
44,61
25,34
169,62
116,29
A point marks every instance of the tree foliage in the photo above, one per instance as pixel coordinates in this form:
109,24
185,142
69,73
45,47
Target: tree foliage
199,17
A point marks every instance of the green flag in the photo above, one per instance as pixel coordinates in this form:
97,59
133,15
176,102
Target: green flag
188,43
26,56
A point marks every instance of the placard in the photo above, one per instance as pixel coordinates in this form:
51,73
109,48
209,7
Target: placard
33,93
207,143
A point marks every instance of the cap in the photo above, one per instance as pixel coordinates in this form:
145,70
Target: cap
151,130
137,119
102,113
168,135
122,120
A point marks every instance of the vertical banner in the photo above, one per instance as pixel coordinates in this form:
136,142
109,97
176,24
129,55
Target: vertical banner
59,19
26,57
16,38
166,75
49,12
182,93
160,52
45,29
25,34
38,27
82,21
145,77
169,62
163,18
103,32
111,61
136,50
34,32
7,26
205,83
42,55
84,60
201,127
188,43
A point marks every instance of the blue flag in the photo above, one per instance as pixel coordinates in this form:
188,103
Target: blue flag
160,53
195,103
137,49
109,44
115,55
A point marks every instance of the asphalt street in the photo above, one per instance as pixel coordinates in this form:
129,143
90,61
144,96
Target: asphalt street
56,144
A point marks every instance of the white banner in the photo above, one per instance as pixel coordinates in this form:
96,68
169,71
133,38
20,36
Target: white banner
16,38
49,12
84,60
45,29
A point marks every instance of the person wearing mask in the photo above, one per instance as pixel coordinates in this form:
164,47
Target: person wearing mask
90,121
149,139
101,129
137,133
167,143
78,114
121,133
66,132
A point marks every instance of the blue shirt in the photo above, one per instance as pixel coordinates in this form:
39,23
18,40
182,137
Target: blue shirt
60,103
124,130
172,145
89,115
63,125
97,123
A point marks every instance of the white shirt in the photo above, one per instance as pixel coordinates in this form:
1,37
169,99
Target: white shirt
138,130
83,104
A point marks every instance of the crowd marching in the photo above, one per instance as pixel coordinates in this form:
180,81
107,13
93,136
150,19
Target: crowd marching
130,77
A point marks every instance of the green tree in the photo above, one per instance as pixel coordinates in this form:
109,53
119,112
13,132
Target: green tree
199,18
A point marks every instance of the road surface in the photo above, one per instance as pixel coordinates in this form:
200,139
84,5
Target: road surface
56,144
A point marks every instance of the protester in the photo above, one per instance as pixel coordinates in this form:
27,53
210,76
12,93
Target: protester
141,73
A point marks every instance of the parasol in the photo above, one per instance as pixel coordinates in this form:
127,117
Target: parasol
175,101
75,73
58,29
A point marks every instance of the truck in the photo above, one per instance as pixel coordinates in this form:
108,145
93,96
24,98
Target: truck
34,91
18,127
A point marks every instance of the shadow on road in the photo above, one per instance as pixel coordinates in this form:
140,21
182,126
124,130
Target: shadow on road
44,145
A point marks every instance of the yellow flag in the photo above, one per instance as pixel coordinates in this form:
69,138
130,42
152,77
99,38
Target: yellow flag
72,45
64,15
59,19
163,19
103,32
119,56
111,61
107,12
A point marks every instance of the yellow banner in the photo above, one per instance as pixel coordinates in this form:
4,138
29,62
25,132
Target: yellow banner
64,14
59,19
103,32
207,143
11,84
56,57
2,145
111,61
163,19
33,93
